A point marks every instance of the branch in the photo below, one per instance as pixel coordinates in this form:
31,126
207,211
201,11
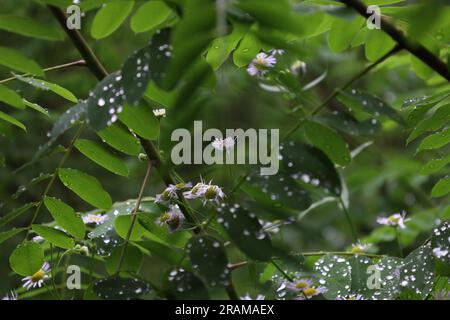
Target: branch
410,45
79,63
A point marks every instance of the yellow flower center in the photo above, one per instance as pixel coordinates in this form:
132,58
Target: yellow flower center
180,185
310,291
394,219
301,285
38,276
210,193
165,195
357,249
165,217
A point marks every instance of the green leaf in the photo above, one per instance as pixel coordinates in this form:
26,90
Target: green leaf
208,259
150,15
441,188
435,165
11,97
378,44
120,139
141,120
110,17
122,225
15,60
54,236
247,50
36,107
328,141
10,233
434,122
116,288
168,253
48,86
440,240
66,217
27,258
106,101
346,123
132,260
435,141
12,120
359,101
7,218
86,187
342,33
221,48
245,232
101,156
338,278
30,28
184,285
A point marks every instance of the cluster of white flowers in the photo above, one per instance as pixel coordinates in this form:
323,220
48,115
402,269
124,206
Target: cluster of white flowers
395,220
263,62
95,218
170,193
159,113
37,279
305,288
173,218
207,192
224,144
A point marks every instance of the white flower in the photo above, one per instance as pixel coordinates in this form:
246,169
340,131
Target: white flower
170,193
395,220
160,113
439,253
95,218
360,248
260,65
173,218
275,52
221,144
11,296
38,278
298,68
197,191
248,297
299,285
213,193
38,239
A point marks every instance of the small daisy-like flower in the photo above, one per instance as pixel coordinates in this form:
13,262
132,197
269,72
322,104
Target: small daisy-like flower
441,295
275,52
395,220
351,297
95,218
224,144
170,193
261,64
197,191
173,218
159,113
299,285
360,248
213,193
37,279
440,253
11,296
248,297
38,239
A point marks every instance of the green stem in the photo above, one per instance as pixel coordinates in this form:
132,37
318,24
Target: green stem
285,275
349,221
399,243
79,63
134,216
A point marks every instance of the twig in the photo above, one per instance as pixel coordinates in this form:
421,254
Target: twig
408,44
79,63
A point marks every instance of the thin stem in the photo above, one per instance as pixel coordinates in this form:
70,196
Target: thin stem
134,215
79,63
349,220
408,44
231,291
399,243
285,275
55,174
338,91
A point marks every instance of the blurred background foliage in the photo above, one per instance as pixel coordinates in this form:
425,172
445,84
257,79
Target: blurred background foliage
384,178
